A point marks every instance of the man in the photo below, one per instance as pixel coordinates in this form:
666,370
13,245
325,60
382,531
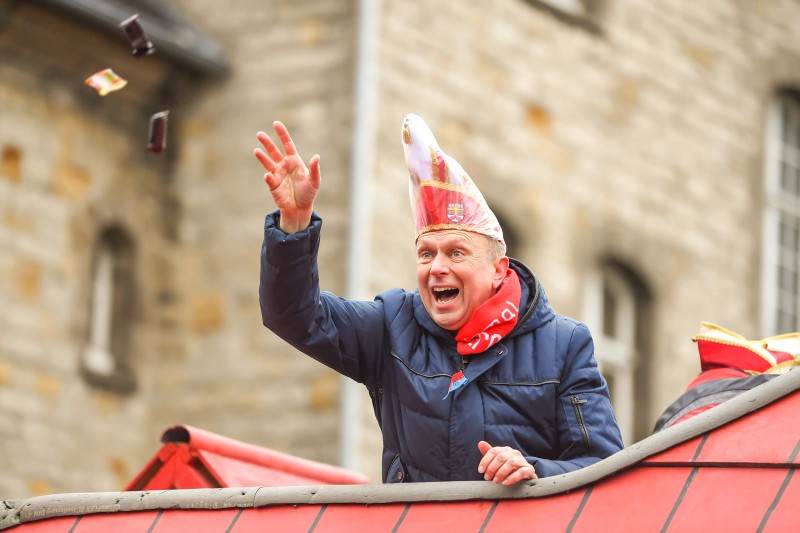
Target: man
472,376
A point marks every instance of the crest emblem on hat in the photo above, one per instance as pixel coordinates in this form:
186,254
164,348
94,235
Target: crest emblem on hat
455,213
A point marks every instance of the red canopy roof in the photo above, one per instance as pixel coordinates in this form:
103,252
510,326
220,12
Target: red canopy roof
195,458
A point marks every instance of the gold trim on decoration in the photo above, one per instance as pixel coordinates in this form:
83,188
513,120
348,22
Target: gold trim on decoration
768,357
759,347
782,367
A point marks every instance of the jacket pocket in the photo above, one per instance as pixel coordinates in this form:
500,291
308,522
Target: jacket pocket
397,472
581,415
578,406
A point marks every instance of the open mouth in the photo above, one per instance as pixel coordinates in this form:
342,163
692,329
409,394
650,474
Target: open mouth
444,294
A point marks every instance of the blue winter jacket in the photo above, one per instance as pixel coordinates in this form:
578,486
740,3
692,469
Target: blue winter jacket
538,390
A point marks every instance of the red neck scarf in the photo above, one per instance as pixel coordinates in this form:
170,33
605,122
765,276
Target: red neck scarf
493,319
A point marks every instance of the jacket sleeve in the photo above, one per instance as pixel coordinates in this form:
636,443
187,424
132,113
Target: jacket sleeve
343,334
587,427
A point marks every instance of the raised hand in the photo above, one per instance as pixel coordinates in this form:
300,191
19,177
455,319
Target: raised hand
293,186
503,465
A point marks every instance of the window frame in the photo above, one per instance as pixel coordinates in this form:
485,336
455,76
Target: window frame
106,357
625,360
616,356
776,208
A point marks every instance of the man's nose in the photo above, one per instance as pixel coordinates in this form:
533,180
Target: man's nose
440,265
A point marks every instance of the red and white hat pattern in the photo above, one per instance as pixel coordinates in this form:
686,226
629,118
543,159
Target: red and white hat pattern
442,194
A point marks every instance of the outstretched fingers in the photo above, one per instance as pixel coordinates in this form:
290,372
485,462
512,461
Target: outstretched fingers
286,139
269,159
268,164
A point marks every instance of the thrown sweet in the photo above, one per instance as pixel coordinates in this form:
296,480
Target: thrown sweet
105,81
157,138
138,39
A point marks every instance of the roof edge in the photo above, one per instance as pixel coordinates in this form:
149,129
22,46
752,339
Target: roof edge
183,44
15,512
202,440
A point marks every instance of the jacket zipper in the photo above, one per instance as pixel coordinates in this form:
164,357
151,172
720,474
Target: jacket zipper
576,403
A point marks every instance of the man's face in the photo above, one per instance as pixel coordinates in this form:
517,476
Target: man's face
456,274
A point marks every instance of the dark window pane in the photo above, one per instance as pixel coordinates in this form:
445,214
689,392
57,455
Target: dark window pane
609,312
789,233
787,322
787,280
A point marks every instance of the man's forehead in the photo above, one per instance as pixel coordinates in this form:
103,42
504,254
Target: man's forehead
449,236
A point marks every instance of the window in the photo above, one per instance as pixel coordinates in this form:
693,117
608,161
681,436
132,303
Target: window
780,305
105,362
616,311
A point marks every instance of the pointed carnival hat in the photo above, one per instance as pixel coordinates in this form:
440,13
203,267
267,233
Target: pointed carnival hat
442,194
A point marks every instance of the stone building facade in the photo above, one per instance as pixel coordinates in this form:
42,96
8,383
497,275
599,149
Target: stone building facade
626,146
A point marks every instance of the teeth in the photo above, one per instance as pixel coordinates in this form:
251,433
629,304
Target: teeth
445,294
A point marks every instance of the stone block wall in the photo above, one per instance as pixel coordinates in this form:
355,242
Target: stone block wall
73,163
634,134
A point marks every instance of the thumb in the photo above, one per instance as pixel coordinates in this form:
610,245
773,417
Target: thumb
484,447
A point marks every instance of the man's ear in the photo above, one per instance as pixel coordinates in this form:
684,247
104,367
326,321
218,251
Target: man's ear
500,268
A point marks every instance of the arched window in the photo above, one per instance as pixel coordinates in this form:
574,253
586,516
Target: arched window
106,358
617,308
780,304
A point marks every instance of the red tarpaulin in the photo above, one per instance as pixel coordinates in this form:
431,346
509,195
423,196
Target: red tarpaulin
194,458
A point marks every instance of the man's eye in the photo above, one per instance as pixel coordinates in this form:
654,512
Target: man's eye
458,253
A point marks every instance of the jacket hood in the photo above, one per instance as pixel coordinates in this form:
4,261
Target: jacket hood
535,309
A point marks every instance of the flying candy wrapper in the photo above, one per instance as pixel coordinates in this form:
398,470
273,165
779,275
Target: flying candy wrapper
105,81
443,196
139,42
157,138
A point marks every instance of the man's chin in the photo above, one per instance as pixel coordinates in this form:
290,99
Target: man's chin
448,322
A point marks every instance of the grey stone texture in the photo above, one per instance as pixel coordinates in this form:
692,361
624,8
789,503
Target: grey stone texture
635,133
